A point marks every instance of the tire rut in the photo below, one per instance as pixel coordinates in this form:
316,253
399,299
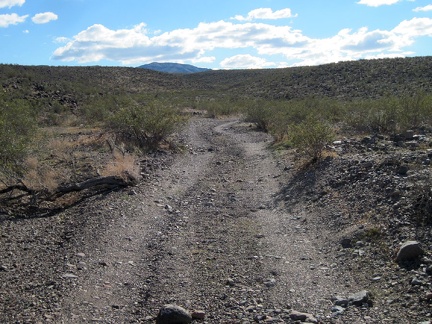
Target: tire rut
205,233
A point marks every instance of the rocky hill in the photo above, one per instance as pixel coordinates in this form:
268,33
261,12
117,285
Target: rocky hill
354,79
357,79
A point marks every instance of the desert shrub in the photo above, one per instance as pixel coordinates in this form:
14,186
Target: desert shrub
145,125
311,137
279,124
389,114
260,113
96,110
220,106
415,111
17,128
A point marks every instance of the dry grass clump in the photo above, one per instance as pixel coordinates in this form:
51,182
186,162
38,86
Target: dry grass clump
122,165
39,177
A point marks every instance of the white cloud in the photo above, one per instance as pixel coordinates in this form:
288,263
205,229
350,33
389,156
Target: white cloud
61,40
425,8
406,32
11,3
261,41
266,13
11,19
45,17
377,3
204,59
134,45
245,61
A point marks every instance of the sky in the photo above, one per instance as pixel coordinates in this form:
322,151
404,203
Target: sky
216,34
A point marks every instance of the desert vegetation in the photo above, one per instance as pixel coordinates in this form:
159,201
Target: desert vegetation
243,182
61,126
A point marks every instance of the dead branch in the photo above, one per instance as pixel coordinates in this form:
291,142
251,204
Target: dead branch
108,182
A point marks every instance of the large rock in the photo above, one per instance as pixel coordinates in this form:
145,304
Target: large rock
173,314
409,251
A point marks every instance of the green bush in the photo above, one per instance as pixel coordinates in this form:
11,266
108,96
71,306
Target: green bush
311,136
17,129
260,113
145,125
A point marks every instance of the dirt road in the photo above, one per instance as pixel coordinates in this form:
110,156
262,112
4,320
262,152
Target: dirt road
206,232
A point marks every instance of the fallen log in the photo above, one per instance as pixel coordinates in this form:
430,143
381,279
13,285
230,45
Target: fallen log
110,182
16,187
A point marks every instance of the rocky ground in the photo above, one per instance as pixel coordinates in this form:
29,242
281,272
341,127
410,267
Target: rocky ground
234,232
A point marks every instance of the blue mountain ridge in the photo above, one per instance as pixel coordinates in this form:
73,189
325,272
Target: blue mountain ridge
173,68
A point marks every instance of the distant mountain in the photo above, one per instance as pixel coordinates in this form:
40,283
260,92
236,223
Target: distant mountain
173,68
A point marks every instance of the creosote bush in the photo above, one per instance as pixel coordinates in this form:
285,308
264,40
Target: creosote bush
17,129
144,125
261,113
311,137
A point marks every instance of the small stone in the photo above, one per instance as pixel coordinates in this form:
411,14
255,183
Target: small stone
270,282
402,170
230,282
69,276
198,314
416,282
346,243
304,317
340,301
360,298
409,251
337,310
408,135
173,314
81,255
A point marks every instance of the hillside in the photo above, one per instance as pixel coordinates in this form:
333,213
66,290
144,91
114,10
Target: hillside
357,79
123,190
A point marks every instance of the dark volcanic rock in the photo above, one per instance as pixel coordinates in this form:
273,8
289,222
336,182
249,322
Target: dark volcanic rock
173,314
409,251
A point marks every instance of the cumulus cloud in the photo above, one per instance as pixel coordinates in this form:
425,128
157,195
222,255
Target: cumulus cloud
245,61
135,45
266,13
262,41
406,32
45,17
11,3
129,46
11,19
377,3
425,8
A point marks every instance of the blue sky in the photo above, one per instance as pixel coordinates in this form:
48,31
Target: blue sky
218,34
